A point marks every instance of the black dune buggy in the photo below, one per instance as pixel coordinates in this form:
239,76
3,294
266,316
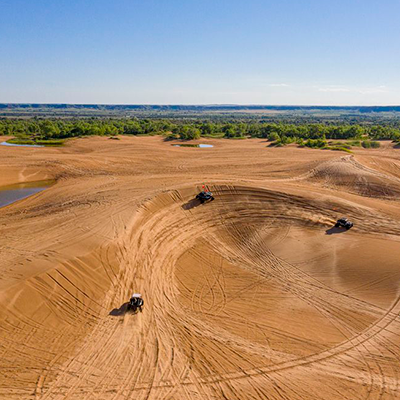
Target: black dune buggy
135,302
344,223
205,196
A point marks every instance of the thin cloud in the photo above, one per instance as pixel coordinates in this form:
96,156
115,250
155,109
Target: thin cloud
349,89
379,89
279,85
334,89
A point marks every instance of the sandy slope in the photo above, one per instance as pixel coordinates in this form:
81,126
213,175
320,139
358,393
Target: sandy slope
252,296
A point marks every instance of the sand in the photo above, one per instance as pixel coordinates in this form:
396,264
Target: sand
251,296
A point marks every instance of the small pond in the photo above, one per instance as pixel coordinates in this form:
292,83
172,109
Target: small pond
19,145
10,194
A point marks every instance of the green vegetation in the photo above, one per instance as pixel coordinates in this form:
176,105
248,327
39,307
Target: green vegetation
33,141
325,145
185,132
367,144
21,141
316,143
50,142
53,132
353,143
338,148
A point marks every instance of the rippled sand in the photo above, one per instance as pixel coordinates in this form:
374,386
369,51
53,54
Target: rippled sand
251,296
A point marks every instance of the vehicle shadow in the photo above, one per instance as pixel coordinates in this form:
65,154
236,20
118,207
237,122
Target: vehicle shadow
117,312
334,230
191,204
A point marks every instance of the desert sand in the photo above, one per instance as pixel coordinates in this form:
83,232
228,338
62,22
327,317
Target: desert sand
251,296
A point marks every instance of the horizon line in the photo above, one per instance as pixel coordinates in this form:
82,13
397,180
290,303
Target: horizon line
199,105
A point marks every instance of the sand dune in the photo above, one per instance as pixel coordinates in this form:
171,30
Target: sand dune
251,296
347,173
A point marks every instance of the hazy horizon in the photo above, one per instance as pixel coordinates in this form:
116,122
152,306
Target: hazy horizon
204,104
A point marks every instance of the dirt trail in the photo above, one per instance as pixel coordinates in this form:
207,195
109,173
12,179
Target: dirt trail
253,295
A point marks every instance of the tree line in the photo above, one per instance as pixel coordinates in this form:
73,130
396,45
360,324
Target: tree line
50,129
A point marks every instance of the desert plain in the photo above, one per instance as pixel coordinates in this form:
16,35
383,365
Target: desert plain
252,296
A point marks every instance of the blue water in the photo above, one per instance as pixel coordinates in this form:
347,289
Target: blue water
19,145
18,192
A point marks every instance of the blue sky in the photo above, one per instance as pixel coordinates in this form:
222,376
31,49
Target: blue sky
321,52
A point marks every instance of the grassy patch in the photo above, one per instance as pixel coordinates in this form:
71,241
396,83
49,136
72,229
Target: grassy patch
21,141
39,142
50,142
332,143
370,144
278,143
338,148
214,135
315,143
354,143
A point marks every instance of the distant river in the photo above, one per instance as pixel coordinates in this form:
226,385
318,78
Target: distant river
10,194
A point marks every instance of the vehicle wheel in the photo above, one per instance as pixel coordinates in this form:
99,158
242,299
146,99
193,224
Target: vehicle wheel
336,225
212,198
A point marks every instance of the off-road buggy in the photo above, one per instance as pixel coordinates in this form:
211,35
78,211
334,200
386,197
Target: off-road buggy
135,302
344,223
205,195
